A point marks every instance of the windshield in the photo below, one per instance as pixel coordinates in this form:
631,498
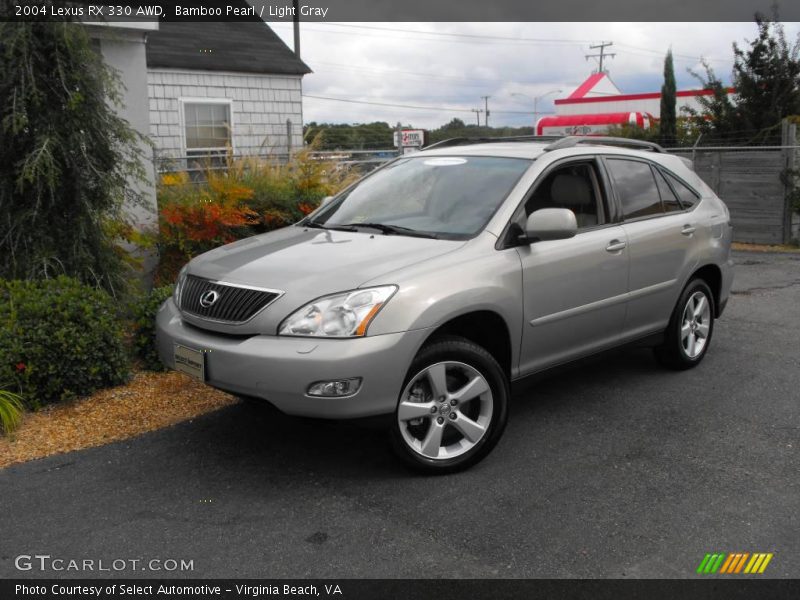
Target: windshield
448,197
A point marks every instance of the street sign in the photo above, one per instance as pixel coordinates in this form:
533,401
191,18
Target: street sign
410,138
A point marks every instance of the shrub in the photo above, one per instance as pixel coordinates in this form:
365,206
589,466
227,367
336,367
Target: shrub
67,157
144,326
59,339
10,410
249,196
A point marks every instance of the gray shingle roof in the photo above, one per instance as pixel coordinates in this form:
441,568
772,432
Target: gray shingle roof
249,47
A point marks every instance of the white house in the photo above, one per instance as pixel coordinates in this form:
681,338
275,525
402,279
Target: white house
214,85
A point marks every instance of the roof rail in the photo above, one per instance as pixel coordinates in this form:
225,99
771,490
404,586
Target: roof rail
573,140
464,141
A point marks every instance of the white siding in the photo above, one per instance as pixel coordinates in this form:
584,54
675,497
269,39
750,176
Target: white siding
649,105
260,107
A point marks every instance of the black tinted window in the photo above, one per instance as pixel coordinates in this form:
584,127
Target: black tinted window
687,195
636,187
668,197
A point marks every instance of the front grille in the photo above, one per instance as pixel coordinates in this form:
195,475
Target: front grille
233,304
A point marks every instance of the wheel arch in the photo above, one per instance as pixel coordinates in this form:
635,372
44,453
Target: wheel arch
712,275
486,328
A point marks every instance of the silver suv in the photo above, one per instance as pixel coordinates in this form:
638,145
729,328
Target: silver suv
429,286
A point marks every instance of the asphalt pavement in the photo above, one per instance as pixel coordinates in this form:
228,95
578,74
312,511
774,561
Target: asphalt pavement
617,468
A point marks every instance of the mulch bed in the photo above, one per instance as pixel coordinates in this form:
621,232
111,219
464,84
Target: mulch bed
149,401
764,247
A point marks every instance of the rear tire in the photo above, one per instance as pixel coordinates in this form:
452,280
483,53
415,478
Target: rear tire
690,328
453,407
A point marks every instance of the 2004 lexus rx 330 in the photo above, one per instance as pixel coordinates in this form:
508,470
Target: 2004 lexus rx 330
427,287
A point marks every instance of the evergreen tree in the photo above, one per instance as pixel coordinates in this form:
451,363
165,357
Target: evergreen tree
65,158
766,78
667,125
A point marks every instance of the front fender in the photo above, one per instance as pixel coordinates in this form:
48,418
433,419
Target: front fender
432,294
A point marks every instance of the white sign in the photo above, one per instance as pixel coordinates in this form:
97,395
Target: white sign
410,137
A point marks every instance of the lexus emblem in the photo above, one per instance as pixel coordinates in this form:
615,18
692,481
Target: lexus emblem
208,298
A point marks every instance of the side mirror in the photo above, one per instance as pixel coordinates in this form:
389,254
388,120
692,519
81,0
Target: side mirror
550,224
325,200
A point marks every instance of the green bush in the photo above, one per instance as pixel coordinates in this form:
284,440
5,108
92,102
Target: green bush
144,326
10,411
59,339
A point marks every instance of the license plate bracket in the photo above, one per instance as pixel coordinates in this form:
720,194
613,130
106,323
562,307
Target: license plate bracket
190,361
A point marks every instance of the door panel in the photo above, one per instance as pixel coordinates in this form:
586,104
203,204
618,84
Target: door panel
659,243
660,253
574,295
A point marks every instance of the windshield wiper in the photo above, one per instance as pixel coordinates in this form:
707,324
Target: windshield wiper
390,229
315,225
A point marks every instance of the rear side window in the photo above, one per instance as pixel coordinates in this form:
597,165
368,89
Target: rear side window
687,195
668,197
636,188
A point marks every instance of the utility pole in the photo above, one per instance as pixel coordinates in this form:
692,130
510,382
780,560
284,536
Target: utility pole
477,112
296,20
602,54
486,104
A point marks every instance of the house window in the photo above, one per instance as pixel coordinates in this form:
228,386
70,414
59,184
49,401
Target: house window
207,127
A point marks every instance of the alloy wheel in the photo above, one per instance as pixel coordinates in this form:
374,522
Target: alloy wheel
445,410
696,324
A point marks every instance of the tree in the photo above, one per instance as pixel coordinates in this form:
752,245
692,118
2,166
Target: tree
766,78
369,136
456,123
66,158
667,125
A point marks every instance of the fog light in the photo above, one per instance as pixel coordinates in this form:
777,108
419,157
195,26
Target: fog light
334,389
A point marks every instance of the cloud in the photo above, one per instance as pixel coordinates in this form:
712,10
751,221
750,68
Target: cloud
447,67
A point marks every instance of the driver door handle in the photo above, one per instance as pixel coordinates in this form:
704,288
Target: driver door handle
688,229
615,246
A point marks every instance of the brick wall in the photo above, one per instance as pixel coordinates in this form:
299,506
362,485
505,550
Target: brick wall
261,104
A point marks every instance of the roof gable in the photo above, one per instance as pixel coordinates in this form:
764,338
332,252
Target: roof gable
248,47
597,84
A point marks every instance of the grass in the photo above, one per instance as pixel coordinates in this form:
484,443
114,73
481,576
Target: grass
11,409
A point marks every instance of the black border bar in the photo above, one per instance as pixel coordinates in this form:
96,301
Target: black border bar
408,10
716,588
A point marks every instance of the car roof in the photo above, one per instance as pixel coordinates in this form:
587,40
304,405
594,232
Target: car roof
531,148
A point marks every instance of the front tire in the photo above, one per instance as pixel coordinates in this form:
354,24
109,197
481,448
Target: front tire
453,407
690,328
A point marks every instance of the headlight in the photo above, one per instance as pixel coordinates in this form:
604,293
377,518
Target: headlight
179,285
339,315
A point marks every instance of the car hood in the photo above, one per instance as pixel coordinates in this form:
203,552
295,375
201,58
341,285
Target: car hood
308,263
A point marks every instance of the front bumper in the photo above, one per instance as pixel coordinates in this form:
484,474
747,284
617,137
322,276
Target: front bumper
279,369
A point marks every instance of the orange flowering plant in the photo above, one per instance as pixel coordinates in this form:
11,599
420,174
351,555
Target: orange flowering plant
247,196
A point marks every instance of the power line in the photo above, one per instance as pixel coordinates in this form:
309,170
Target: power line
489,39
473,41
392,105
465,35
378,71
413,106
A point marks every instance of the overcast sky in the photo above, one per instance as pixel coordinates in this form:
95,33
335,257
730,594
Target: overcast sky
449,68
